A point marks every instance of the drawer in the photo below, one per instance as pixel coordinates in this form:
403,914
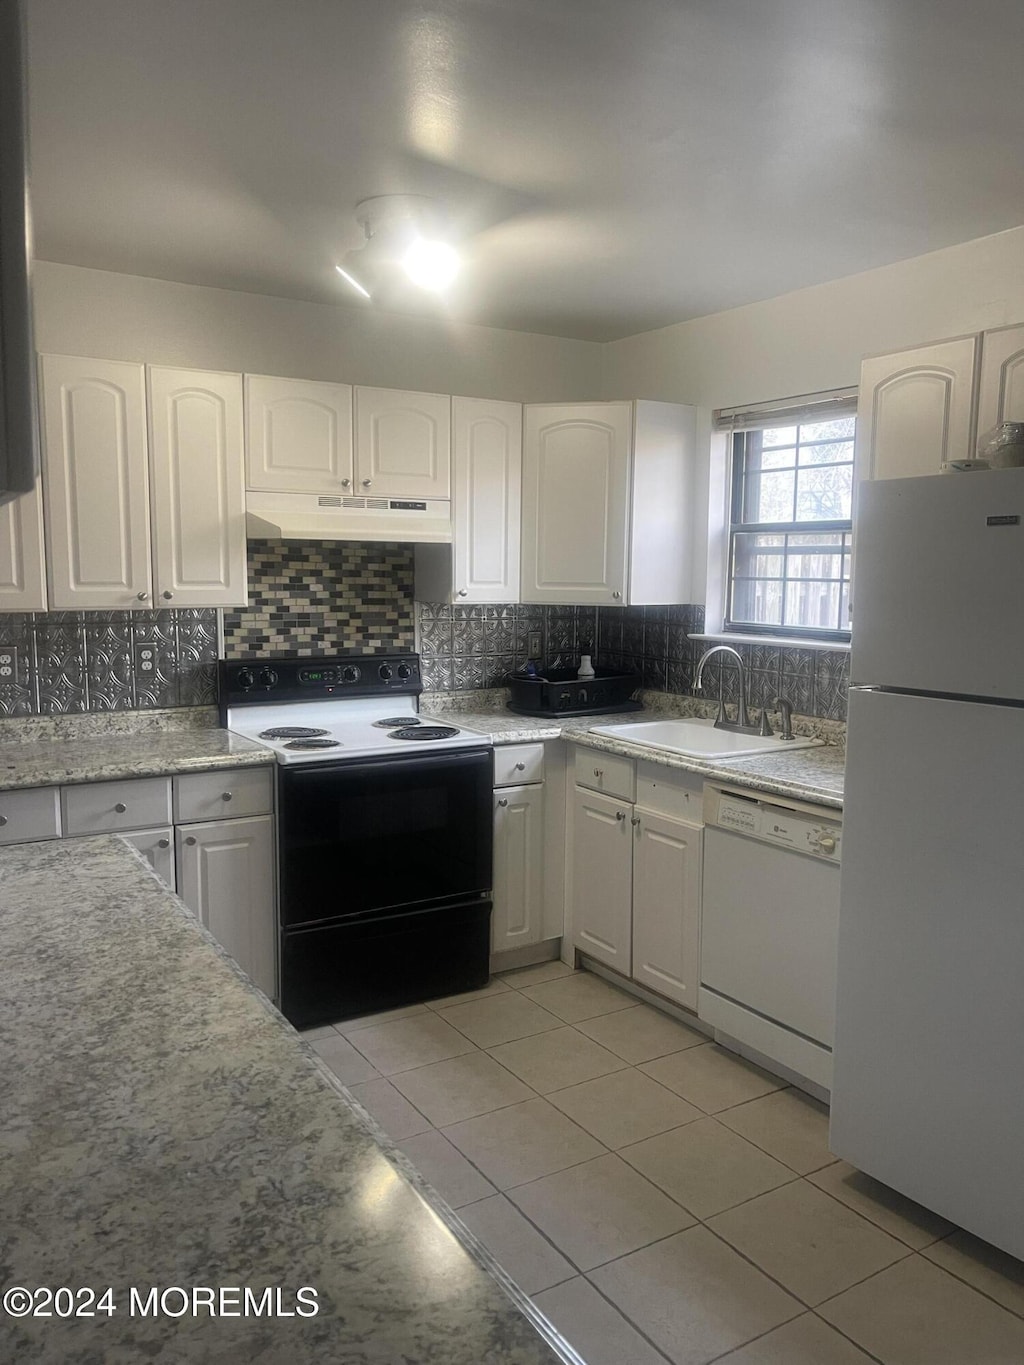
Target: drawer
671,792
111,807
224,795
515,764
30,814
609,773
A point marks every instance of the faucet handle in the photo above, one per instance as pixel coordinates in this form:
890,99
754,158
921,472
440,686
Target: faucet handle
783,705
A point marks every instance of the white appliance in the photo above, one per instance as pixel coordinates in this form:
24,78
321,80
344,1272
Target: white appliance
769,917
927,1094
335,516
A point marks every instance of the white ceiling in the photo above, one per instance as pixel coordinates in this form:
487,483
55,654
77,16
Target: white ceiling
614,165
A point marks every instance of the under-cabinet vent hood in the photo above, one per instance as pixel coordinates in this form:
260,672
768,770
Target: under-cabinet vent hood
312,516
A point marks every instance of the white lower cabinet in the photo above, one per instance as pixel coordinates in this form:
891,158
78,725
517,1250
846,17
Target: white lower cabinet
636,881
518,867
226,876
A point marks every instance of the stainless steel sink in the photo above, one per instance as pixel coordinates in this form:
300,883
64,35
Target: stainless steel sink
700,739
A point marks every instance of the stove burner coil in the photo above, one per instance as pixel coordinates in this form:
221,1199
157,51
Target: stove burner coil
292,732
424,732
314,743
404,721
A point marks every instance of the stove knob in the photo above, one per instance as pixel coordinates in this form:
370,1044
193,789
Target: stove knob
268,678
385,672
245,678
350,673
404,671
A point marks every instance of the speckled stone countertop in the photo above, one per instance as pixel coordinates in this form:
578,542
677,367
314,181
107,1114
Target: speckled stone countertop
814,775
52,751
163,1126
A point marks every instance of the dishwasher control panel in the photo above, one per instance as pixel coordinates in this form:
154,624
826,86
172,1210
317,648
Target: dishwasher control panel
803,830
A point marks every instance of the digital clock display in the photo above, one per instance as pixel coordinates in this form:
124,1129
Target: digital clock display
318,675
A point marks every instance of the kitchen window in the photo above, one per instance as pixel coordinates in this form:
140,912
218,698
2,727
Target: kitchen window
791,518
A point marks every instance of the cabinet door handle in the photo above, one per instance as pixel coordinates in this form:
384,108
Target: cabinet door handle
163,843
3,821
503,801
463,592
520,767
635,820
616,595
142,596
167,595
367,483
346,483
190,839
620,815
120,808
226,796
599,772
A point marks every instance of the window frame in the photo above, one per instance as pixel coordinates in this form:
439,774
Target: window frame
841,527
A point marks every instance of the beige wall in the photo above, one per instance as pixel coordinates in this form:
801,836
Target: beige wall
127,317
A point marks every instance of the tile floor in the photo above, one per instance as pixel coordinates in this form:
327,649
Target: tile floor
660,1198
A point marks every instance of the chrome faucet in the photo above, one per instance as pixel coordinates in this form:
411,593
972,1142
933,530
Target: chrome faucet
742,721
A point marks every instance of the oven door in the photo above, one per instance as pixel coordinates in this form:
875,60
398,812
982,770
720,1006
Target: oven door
382,834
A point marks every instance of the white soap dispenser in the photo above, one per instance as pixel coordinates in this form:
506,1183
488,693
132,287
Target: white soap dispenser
586,668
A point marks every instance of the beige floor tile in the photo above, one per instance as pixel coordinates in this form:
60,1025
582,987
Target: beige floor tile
640,1034
393,1112
521,1143
705,1167
460,1088
347,1064
623,1107
494,987
580,996
552,1061
499,1019
985,1267
404,1043
804,1341
444,1167
694,1297
599,1210
810,1243
915,1314
901,1217
350,1026
528,1257
534,976
711,1077
789,1125
598,1332
313,1035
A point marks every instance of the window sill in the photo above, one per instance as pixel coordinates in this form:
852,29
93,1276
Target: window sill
735,637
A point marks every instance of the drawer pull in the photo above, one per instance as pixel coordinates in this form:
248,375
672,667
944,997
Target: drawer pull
599,772
120,808
520,767
620,815
635,820
503,801
226,796
3,821
163,843
190,840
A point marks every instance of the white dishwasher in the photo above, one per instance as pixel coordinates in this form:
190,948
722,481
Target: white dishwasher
769,926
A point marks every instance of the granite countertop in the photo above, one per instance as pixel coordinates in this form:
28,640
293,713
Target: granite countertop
162,1126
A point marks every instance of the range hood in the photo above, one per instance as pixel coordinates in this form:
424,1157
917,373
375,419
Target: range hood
312,516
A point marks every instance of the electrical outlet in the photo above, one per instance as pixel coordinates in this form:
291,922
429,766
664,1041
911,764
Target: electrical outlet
533,645
145,657
8,664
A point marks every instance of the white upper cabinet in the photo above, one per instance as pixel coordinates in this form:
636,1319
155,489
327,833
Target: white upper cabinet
403,443
95,478
607,503
482,563
197,485
22,566
1001,394
916,409
298,435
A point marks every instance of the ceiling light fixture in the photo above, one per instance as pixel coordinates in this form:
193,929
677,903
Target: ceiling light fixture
406,238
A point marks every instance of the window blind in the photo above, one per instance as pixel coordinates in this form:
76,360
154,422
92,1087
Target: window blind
807,407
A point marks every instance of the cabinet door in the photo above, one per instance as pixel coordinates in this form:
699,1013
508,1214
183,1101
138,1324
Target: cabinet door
486,478
1001,394
157,847
22,567
226,875
298,435
666,906
518,867
602,870
916,410
576,469
403,443
198,498
96,483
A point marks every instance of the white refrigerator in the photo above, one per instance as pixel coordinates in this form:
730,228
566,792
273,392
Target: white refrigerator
928,1090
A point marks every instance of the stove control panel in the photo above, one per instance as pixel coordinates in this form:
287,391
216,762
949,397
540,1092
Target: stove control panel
283,678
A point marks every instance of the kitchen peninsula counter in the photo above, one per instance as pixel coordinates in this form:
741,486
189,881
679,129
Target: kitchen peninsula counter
163,1126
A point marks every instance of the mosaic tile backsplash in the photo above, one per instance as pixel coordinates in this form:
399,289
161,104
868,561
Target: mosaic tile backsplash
68,661
323,598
